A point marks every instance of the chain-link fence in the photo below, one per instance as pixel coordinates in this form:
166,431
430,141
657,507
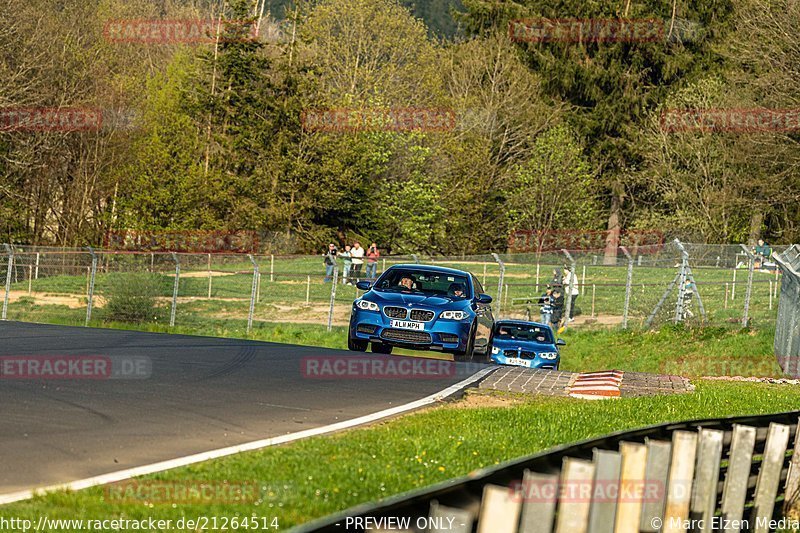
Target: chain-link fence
643,286
787,329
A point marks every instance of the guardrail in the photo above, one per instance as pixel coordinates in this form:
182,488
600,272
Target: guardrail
732,474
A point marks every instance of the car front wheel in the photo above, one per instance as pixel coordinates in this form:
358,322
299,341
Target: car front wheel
468,352
356,345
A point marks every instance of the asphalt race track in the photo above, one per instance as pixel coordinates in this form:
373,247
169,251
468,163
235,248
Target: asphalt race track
196,394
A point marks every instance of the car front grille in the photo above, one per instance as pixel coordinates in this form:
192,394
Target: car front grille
407,335
369,329
520,355
395,312
421,315
448,337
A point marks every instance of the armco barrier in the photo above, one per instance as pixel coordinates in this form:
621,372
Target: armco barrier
696,475
787,327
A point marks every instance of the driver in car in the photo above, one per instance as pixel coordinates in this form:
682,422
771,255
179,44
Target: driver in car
406,282
456,290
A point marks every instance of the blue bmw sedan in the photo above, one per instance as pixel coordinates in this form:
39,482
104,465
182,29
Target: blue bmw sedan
528,344
423,307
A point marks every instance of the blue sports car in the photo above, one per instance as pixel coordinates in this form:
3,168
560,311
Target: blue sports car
529,344
423,308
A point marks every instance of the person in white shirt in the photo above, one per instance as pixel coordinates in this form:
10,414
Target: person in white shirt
357,254
571,281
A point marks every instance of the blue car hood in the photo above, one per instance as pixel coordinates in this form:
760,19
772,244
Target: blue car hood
531,346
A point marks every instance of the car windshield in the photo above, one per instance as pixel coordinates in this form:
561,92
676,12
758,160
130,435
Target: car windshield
523,332
452,286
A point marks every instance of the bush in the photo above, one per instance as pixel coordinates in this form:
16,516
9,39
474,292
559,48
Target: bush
133,297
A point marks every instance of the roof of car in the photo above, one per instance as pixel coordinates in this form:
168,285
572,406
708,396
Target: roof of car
431,268
519,323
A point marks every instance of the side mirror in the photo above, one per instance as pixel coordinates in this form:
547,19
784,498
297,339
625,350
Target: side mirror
561,342
364,285
484,299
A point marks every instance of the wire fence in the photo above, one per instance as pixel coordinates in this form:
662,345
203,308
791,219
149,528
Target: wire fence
641,287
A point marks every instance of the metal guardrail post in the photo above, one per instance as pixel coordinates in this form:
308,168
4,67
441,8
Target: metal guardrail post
628,287
333,295
500,282
92,276
415,258
175,289
572,278
253,290
749,291
10,252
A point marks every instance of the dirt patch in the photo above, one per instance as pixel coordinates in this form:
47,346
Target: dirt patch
475,399
71,301
205,274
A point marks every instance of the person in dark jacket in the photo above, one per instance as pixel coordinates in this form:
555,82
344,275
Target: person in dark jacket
329,260
557,303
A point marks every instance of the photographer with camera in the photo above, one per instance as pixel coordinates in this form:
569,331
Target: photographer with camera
329,260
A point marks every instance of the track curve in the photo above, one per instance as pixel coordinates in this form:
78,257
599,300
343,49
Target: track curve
202,394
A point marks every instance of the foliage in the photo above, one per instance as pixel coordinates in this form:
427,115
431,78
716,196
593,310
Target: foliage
132,297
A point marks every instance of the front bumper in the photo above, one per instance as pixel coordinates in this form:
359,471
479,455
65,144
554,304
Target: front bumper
438,334
537,362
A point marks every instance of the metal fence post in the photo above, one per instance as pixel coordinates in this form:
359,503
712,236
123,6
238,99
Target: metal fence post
628,287
253,290
333,295
787,326
92,276
572,278
500,281
415,258
271,268
681,280
10,252
750,267
175,289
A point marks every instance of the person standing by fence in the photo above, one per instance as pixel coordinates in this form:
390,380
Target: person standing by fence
357,254
329,261
571,288
348,263
373,254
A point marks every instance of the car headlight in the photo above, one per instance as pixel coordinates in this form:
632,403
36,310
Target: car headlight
367,305
495,350
453,315
549,355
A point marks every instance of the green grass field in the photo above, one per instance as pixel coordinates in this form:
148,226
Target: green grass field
296,284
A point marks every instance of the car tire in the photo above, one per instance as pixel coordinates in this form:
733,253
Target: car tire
467,354
382,348
356,345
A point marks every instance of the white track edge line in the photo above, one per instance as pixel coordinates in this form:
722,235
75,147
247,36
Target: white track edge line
248,446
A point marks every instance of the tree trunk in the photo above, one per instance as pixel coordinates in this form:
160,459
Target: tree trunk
612,238
756,219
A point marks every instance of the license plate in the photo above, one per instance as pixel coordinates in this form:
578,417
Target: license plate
407,324
517,361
